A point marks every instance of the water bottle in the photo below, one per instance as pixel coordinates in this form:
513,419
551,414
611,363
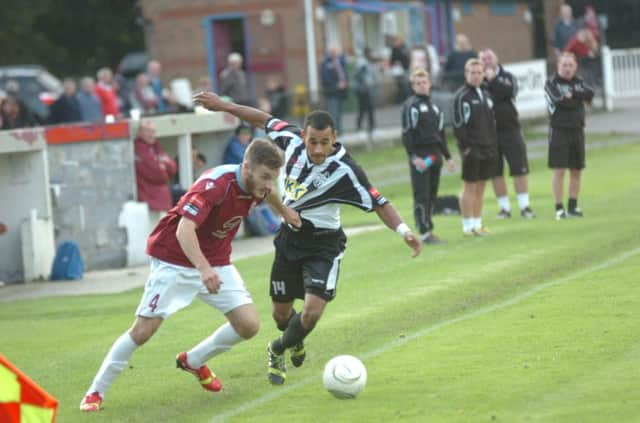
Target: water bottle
428,161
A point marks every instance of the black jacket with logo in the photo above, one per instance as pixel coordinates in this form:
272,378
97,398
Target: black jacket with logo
473,122
423,127
504,89
567,112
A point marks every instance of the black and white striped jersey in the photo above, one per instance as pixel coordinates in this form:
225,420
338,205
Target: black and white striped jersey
318,191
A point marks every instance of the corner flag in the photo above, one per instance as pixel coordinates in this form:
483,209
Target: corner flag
21,399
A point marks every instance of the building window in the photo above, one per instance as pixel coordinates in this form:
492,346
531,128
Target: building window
503,7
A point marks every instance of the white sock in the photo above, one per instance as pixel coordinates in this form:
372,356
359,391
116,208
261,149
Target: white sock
425,235
113,364
467,224
220,341
503,203
477,223
523,200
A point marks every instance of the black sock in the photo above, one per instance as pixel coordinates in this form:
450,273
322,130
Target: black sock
294,333
283,326
573,204
559,206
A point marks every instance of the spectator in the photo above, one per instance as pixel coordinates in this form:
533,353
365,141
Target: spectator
335,83
364,84
584,47
590,20
66,108
503,87
90,106
399,62
233,80
276,93
426,57
14,115
566,94
238,143
106,93
564,28
424,140
154,170
454,69
12,88
475,129
198,162
142,96
154,69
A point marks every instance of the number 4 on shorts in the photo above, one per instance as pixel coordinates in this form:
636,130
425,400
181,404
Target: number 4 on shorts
153,304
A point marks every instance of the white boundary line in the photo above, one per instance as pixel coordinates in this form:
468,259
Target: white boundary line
401,341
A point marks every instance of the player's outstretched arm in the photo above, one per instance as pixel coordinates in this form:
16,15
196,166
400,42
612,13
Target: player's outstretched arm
390,217
213,102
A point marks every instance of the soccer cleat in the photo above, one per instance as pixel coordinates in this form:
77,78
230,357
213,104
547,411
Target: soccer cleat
575,212
527,213
433,240
561,214
277,372
298,354
503,214
91,402
207,379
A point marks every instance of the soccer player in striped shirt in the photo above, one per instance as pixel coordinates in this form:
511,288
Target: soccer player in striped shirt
320,177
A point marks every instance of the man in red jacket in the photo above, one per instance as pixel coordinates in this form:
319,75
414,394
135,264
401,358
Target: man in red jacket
154,169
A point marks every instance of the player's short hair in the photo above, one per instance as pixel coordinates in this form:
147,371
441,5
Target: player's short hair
419,73
320,120
567,54
472,62
264,152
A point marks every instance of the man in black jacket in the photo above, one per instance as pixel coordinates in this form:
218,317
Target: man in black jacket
475,129
423,138
566,94
503,88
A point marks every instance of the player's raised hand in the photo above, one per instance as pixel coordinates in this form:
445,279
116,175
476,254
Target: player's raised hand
414,242
208,100
210,279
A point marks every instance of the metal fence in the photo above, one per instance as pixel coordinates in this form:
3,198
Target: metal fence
621,71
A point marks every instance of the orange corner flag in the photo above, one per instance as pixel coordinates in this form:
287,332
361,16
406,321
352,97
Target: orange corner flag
21,399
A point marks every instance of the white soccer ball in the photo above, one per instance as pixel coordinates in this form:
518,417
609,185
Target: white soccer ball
344,376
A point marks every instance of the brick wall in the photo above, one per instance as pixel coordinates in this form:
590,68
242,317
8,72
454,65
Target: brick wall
178,37
509,36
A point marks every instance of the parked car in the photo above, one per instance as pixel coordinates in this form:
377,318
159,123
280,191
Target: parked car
37,88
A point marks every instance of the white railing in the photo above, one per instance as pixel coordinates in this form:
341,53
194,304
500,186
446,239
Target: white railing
621,71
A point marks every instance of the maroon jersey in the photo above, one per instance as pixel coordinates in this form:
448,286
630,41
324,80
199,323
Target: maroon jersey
217,202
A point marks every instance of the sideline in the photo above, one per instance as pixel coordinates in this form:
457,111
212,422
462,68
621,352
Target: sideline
401,341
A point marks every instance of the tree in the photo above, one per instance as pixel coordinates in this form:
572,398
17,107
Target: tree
70,38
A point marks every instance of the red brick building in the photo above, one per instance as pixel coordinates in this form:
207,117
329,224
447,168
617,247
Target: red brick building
287,38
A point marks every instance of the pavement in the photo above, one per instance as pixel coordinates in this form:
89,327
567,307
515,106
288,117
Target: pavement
622,120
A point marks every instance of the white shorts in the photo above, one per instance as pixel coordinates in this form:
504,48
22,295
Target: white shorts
171,288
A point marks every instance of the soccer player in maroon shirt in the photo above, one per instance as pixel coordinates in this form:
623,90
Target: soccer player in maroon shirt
190,252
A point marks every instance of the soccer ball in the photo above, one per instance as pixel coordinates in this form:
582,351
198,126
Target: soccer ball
344,376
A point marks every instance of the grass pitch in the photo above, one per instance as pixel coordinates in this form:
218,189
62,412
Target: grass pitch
536,323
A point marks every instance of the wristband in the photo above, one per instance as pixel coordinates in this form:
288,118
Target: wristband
402,229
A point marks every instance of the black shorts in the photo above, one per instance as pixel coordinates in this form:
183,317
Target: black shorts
479,164
566,148
511,147
306,263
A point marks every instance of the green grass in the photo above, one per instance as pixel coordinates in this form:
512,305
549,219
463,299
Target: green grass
537,323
